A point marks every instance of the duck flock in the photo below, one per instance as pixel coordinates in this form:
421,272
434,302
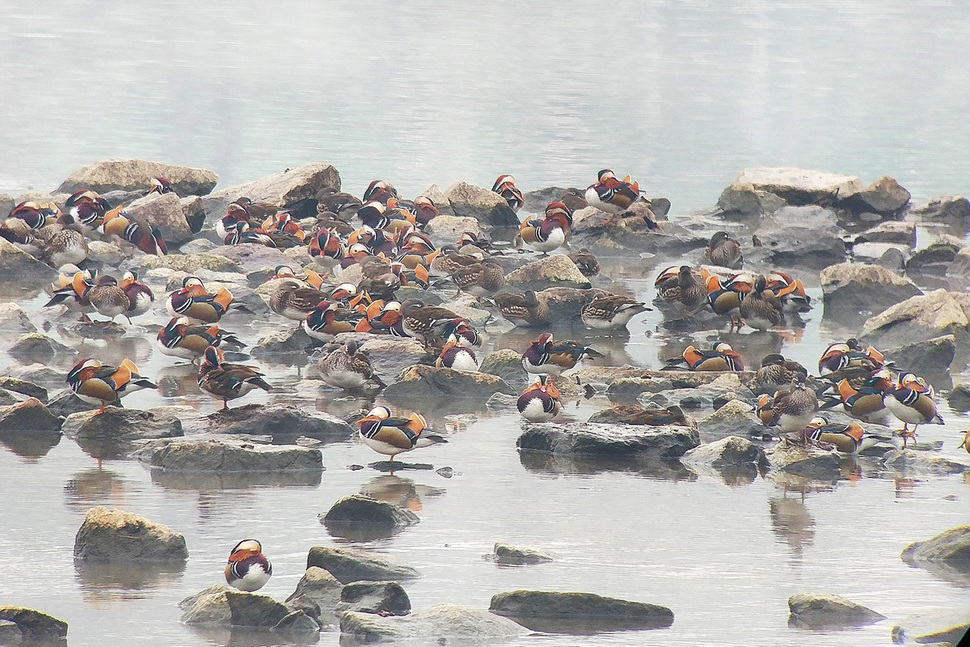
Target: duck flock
365,250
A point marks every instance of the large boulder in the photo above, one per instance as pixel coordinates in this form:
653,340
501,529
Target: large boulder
853,292
283,189
929,358
920,317
792,185
278,420
613,441
220,606
253,257
448,229
233,456
439,624
118,536
828,611
362,518
804,461
506,364
191,263
735,459
938,627
24,387
936,259
291,340
165,212
389,355
29,416
734,418
551,611
885,196
35,627
318,591
382,598
946,555
548,272
430,383
33,347
803,236
135,175
351,565
21,273
481,204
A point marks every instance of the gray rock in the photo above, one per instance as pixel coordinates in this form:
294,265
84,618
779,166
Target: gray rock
448,229
317,593
361,518
36,373
936,259
893,259
438,624
959,397
885,196
555,271
506,364
286,190
208,607
233,456
550,611
10,633
118,536
29,416
501,403
254,610
105,254
929,359
805,461
116,430
198,246
630,388
852,292
389,355
793,185
252,257
806,236
191,263
64,403
566,304
165,212
726,454
135,175
927,316
193,210
508,554
953,208
616,441
34,347
24,387
934,627
351,565
946,555
488,208
36,627
892,232
12,318
382,598
278,420
827,611
426,383
7,203
291,340
736,418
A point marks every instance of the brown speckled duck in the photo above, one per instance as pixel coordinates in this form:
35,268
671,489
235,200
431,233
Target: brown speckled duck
228,381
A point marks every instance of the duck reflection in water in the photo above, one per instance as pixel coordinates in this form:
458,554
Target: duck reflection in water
96,487
402,492
792,522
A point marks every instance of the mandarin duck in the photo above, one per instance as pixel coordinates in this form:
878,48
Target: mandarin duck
546,357
73,294
585,262
682,288
791,408
380,190
760,308
612,195
456,356
237,218
847,439
775,372
450,260
865,401
65,245
294,299
424,210
912,402
344,366
87,208
178,338
227,381
634,414
97,384
326,242
329,318
428,324
725,298
121,226
849,360
248,569
720,358
140,296
159,185
480,279
540,401
342,205
393,436
504,185
35,214
611,312
194,302
551,232
724,251
107,297
525,309
790,290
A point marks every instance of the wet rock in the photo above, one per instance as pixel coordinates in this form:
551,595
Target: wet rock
64,403
507,365
959,397
12,318
893,259
231,456
37,348
936,259
891,232
914,462
351,565
284,189
485,206
36,373
951,208
165,212
566,304
317,591
24,387
191,263
726,454
135,175
220,606
852,292
115,431
382,598
448,229
929,359
934,627
118,536
608,440
432,383
291,340
802,236
389,355
278,419
438,624
508,554
35,627
208,607
252,257
726,387
828,611
630,389
536,201
736,418
946,555
254,610
299,625
885,196
362,518
548,272
927,316
804,460
549,611
793,185
501,403
10,633
29,416
193,210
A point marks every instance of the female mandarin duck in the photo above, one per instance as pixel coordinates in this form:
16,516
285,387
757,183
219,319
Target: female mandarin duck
107,297
504,185
912,402
611,312
540,401
480,279
760,308
97,384
724,251
228,381
248,569
546,357
682,287
721,358
612,195
776,372
344,366
180,339
524,309
456,356
393,436
551,232
791,408
329,319
194,302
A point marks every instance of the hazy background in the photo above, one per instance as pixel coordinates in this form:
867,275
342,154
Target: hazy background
683,95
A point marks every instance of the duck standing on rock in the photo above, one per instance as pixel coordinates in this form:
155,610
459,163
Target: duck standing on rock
760,308
724,251
193,301
181,339
97,384
611,312
864,399
913,402
791,408
227,381
540,401
846,438
612,195
393,436
329,319
776,372
140,296
481,279
546,357
248,569
73,295
344,366
585,262
456,356
551,232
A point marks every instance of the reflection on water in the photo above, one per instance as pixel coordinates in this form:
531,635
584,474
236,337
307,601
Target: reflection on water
30,445
792,522
402,492
105,583
96,487
216,481
578,465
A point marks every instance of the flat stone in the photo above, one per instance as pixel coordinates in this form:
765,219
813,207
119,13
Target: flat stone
946,555
10,633
929,359
925,316
252,257
135,175
552,271
935,259
285,189
291,340
278,420
828,611
352,565
507,554
892,232
805,461
954,208
730,452
616,441
36,627
118,536
853,292
797,186
234,456
735,418
12,317
118,429
432,383
802,236
438,624
361,518
35,347
30,417
912,462
208,607
448,229
552,611
381,598
24,387
506,364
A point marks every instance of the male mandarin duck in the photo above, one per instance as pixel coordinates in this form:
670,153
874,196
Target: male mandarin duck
108,298
118,224
846,438
456,356
73,294
159,185
540,401
776,372
237,218
242,233
423,322
611,312
681,287
424,210
248,569
546,357
724,251
393,436
524,309
181,339
760,308
865,401
585,262
379,190
849,360
480,279
721,358
140,296
344,366
551,232
97,384
35,214
329,318
350,295
194,302
725,298
227,381
790,290
342,205
612,195
912,402
326,242
87,208
17,231
791,408
504,185
283,223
